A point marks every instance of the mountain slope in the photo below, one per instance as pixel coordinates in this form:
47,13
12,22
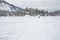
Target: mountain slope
8,7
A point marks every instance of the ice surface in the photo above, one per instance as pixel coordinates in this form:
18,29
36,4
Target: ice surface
30,28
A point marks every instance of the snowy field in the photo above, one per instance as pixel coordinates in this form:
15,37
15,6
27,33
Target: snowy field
30,28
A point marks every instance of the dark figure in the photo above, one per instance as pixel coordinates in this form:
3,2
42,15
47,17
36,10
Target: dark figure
39,16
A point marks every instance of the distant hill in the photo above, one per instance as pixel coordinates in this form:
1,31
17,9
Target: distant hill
8,7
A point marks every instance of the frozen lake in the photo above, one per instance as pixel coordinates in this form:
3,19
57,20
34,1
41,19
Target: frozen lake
30,28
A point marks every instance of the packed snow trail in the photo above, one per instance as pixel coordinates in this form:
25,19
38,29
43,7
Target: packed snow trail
30,28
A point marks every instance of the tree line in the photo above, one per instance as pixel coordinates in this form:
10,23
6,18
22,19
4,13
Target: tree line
29,11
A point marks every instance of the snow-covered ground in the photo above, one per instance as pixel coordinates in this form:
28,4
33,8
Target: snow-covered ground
30,28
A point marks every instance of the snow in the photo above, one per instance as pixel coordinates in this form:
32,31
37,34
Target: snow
4,6
30,28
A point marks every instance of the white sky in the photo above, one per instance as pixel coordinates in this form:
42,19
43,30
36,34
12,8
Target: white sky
41,4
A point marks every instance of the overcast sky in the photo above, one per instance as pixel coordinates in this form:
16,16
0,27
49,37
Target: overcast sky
41,4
